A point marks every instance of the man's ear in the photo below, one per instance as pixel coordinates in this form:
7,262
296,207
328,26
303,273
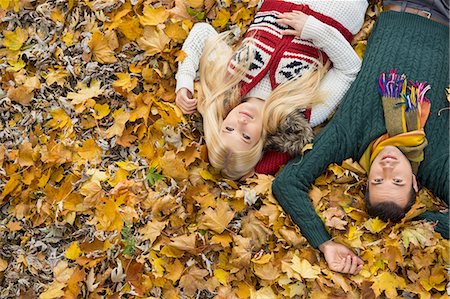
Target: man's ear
414,183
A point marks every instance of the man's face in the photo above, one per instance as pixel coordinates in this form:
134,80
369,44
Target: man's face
391,177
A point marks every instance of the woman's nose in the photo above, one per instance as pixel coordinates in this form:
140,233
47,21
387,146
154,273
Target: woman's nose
243,120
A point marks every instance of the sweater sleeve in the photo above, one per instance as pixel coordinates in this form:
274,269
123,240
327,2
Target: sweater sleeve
193,47
346,65
292,185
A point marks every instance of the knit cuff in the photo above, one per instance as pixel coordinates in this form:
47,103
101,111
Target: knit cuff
313,29
185,81
315,233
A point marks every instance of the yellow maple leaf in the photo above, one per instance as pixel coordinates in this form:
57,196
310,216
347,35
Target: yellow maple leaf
57,16
195,3
176,32
127,165
59,120
131,28
153,41
153,16
57,76
11,185
90,151
26,154
304,268
101,110
120,119
73,251
388,283
14,40
3,265
119,16
375,225
222,18
53,291
100,49
217,219
174,270
85,93
125,82
222,276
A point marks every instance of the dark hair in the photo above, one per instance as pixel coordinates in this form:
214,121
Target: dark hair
389,210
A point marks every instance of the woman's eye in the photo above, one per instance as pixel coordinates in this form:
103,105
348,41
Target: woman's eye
378,180
229,129
246,136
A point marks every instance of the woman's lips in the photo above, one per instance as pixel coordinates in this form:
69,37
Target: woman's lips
246,114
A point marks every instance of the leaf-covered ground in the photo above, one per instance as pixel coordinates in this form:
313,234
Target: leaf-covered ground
106,191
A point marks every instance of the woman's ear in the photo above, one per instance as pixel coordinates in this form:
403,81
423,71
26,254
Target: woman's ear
414,183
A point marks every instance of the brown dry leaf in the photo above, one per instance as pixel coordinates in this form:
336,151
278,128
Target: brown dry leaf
217,219
193,280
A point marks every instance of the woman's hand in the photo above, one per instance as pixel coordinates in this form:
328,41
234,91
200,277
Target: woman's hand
295,19
340,258
185,101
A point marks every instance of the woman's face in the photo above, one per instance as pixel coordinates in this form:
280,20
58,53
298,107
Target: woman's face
242,127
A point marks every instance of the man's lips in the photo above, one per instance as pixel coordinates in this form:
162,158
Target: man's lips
389,157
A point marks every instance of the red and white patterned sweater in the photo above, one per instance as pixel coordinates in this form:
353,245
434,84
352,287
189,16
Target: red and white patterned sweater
280,58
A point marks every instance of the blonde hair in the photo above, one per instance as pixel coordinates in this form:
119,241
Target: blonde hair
220,93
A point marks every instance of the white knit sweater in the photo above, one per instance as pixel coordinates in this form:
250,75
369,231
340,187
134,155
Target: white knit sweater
346,63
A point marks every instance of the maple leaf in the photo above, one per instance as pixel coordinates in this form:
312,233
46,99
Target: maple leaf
388,283
100,48
217,219
222,18
304,268
152,230
193,280
14,40
121,117
53,291
153,41
153,16
253,228
85,93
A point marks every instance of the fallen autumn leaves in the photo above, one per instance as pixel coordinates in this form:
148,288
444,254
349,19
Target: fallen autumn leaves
106,191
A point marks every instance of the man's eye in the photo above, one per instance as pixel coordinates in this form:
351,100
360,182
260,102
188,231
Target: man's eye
229,129
398,181
246,136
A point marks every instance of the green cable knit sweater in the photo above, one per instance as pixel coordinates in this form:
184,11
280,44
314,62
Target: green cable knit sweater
415,46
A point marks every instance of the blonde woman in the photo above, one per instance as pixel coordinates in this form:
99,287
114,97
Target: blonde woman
281,65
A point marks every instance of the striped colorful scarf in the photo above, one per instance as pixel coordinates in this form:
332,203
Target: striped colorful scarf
406,111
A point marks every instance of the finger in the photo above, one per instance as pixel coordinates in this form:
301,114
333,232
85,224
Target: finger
353,265
289,32
360,261
348,264
358,269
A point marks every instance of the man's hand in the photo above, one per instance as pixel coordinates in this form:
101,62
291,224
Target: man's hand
185,101
340,258
295,20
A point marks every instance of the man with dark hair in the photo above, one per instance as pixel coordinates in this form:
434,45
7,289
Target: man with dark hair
414,40
388,209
